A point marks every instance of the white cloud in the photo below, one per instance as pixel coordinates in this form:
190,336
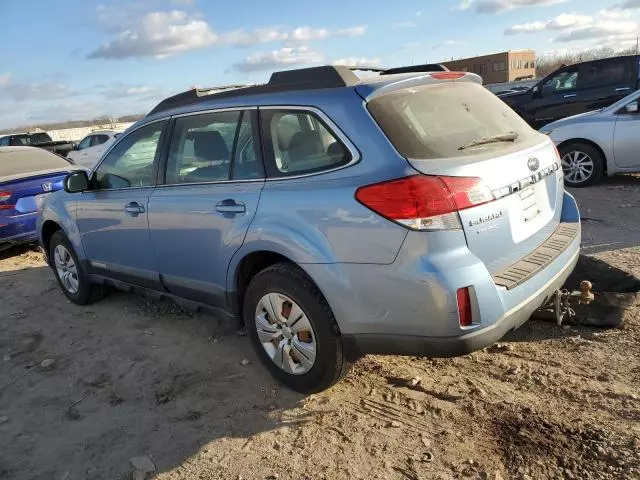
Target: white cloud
183,2
5,78
574,27
498,6
408,24
284,57
411,45
159,35
305,34
357,62
242,38
561,22
162,34
596,31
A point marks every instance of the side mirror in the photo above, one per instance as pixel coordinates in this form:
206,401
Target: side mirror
537,93
76,182
632,107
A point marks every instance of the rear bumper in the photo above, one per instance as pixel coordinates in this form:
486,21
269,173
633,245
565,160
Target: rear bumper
18,229
410,306
466,343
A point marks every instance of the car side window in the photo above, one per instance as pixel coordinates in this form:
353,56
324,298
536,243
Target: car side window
561,82
4,141
201,147
298,142
608,73
85,143
99,139
130,163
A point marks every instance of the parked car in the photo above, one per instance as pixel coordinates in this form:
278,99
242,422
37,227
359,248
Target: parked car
37,139
27,175
603,142
577,89
91,148
403,214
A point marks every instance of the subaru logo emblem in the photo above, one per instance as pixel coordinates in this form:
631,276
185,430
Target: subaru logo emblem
47,187
533,163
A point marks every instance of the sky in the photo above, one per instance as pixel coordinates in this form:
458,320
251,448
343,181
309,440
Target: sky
82,59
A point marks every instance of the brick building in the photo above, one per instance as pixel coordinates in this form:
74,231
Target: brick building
498,67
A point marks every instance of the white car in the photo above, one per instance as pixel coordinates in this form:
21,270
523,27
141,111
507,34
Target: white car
91,148
603,142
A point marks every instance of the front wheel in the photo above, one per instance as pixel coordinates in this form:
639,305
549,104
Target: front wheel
582,164
293,330
69,272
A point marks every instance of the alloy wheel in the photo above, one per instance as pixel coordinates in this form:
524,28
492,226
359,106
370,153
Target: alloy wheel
577,166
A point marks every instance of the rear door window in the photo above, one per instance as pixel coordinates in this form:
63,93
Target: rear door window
298,142
439,121
608,73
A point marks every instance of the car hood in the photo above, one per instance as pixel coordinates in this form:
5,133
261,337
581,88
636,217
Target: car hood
582,117
515,98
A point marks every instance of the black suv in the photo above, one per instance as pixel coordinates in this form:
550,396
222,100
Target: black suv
577,89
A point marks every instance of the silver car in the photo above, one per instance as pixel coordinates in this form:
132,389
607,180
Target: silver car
602,142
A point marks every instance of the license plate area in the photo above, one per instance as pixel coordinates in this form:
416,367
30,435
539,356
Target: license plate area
529,204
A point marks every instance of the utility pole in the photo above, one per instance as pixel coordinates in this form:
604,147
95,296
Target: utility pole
637,45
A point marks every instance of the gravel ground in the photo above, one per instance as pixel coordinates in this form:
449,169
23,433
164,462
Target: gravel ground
129,388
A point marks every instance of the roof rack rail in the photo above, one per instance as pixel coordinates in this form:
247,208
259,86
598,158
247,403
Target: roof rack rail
313,78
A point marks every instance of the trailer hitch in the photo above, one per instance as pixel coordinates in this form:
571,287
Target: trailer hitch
561,301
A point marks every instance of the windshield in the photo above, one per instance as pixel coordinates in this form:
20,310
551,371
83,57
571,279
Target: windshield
26,161
435,121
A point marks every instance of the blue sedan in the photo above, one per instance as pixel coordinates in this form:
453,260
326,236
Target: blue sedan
27,174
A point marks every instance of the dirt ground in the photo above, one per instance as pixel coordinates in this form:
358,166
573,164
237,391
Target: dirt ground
89,393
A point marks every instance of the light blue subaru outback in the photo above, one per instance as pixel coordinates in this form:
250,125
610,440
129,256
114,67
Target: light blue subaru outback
335,216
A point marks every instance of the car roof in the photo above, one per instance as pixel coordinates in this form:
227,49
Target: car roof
308,86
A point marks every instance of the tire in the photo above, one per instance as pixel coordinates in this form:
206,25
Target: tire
581,157
332,359
84,292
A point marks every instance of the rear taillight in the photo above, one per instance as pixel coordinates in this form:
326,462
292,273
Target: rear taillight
464,307
424,202
4,196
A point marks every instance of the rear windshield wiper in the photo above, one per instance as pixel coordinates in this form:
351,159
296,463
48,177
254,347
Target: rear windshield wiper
503,137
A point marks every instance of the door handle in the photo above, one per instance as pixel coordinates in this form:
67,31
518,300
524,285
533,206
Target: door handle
230,206
571,95
133,209
623,89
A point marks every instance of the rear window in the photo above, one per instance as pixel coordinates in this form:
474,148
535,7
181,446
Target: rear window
436,121
29,161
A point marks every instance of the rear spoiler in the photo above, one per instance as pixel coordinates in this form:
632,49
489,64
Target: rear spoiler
369,91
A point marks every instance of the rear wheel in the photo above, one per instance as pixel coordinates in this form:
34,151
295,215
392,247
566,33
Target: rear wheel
69,272
293,330
582,164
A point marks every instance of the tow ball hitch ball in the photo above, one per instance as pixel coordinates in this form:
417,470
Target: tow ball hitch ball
563,299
